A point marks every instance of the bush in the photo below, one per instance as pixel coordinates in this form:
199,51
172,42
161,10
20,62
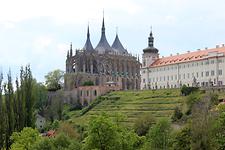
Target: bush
143,124
88,83
177,115
188,90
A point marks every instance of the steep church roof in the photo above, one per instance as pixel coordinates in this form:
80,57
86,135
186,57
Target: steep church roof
117,46
88,46
103,45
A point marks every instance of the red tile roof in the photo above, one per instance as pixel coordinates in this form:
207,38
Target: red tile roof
188,57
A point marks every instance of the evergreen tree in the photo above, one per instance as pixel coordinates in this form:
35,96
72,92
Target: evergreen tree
8,89
2,118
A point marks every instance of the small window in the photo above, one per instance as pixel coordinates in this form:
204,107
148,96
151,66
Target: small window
220,72
212,73
207,73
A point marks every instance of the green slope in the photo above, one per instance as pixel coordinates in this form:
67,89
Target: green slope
133,104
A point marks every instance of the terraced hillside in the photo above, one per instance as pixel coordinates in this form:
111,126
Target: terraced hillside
133,104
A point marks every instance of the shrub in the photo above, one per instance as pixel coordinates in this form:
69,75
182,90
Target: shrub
188,90
177,115
143,124
88,83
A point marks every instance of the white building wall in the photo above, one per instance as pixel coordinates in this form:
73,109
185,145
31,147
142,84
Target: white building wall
174,75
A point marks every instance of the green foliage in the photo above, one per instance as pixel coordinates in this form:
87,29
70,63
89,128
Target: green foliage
182,139
191,100
2,114
25,139
214,98
177,115
202,125
91,105
219,130
188,90
43,144
142,124
88,83
104,134
53,80
40,96
159,136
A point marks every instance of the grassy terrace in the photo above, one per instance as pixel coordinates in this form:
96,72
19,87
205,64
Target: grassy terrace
133,104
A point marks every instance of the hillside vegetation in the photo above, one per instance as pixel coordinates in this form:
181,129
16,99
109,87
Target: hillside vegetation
133,104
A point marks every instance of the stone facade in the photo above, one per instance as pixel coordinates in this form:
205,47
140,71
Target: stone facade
102,65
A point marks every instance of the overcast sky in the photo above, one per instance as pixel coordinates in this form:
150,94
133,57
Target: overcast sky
38,32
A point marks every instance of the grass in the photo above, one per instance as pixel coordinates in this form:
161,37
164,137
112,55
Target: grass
133,104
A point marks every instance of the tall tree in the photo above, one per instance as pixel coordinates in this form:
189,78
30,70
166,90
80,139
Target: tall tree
2,114
8,89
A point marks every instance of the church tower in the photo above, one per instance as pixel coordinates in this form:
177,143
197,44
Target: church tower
150,54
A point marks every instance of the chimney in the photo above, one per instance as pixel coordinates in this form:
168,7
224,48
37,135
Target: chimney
188,51
199,49
222,45
177,53
217,46
206,47
171,54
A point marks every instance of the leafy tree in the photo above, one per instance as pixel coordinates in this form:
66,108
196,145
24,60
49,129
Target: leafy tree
68,130
102,134
182,139
53,80
159,136
43,144
143,124
219,130
25,139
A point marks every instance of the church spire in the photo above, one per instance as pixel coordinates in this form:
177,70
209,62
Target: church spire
103,24
71,50
103,45
151,39
88,46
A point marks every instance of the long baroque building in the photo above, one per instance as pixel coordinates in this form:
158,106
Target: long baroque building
102,65
202,68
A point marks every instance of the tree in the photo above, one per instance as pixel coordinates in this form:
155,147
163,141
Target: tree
2,114
182,139
219,130
8,90
143,124
159,135
202,125
25,139
102,134
40,97
53,80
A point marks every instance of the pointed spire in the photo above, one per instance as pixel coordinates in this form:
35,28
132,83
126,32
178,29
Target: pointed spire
117,46
103,24
103,45
88,46
68,54
71,50
151,39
